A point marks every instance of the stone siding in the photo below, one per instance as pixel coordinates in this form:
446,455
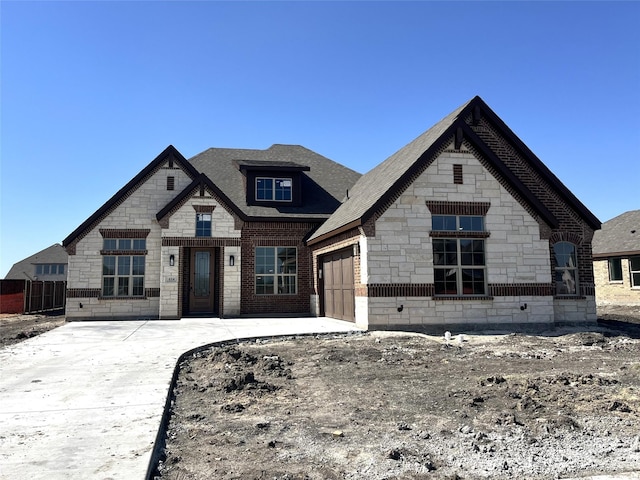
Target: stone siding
516,255
136,211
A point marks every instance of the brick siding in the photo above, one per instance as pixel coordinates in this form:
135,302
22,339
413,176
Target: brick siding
276,234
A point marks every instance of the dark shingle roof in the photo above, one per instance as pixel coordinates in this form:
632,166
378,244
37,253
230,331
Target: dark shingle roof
24,270
372,186
324,183
619,236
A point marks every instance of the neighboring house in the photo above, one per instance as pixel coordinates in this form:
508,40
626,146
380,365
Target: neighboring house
616,260
463,227
49,264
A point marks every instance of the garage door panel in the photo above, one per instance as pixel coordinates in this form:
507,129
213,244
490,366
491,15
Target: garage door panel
339,294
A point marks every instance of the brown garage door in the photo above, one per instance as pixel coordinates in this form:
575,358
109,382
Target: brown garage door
339,294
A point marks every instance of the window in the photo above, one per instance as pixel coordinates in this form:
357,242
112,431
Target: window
273,189
634,268
615,269
50,269
458,258
460,223
124,244
276,270
123,267
459,266
566,268
203,224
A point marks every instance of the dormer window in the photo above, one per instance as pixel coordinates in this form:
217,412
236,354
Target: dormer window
276,184
274,189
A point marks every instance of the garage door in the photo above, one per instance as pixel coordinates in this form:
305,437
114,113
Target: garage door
339,293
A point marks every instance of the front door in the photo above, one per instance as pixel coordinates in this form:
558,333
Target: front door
201,288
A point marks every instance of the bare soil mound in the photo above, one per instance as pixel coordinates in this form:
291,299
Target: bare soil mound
15,328
383,406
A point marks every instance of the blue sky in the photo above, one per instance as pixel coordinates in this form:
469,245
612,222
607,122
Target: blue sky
91,92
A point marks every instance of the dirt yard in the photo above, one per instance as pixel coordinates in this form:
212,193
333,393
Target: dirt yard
16,328
394,406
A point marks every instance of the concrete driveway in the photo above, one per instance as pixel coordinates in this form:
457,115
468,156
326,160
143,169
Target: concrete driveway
85,401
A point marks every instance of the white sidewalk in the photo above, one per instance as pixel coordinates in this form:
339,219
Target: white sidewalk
85,401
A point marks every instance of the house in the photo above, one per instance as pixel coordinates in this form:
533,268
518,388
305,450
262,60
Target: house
463,227
37,283
616,260
221,234
49,264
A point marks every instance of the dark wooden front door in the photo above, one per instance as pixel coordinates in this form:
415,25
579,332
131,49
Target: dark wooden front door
201,282
339,288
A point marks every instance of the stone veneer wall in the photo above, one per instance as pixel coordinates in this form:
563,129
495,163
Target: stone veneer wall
401,253
180,231
571,226
232,282
84,276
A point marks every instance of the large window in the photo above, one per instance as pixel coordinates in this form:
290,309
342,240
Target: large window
276,270
566,268
634,268
123,266
273,189
203,224
615,269
459,263
459,266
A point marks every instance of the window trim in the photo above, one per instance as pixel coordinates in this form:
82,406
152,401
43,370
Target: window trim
276,275
632,272
609,262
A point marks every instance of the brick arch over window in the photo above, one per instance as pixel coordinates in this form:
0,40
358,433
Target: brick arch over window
570,237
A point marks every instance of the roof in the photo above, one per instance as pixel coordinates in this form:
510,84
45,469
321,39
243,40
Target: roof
199,183
373,185
378,186
23,270
619,236
324,182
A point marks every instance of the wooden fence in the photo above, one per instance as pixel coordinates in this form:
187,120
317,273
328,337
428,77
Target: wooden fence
26,296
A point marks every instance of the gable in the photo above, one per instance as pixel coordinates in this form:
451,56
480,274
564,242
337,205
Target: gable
170,159
505,154
201,191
